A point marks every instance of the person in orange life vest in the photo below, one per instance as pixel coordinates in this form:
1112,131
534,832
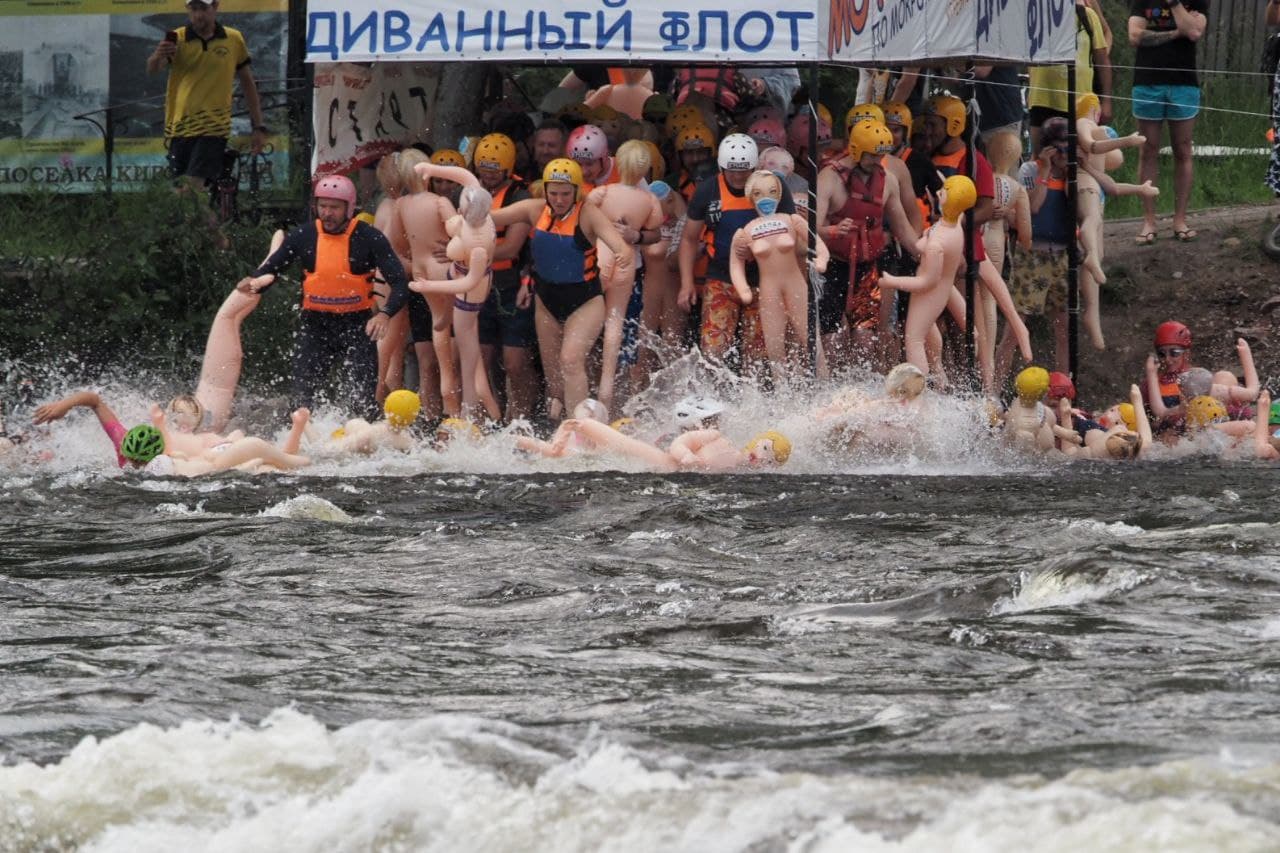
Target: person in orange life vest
1163,372
718,209
589,148
944,126
339,255
506,320
569,305
695,145
856,195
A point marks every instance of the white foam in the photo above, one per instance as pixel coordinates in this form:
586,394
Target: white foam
455,783
307,508
1047,589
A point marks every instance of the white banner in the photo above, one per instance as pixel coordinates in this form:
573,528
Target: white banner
363,112
908,32
570,31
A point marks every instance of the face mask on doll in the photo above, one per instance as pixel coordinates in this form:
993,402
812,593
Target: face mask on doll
766,206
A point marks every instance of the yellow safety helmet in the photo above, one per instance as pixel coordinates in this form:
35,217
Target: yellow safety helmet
604,112
694,137
657,163
495,151
962,195
562,170
896,112
858,112
1203,410
948,108
449,157
781,445
1032,383
869,137
682,115
401,408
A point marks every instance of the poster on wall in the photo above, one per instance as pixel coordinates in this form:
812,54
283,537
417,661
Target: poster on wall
83,57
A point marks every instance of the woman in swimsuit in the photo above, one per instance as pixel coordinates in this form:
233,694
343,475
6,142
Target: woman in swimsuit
570,307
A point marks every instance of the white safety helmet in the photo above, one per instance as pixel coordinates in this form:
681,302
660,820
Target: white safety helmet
738,152
692,411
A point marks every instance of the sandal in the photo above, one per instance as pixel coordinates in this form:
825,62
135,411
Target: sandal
1146,238
1185,235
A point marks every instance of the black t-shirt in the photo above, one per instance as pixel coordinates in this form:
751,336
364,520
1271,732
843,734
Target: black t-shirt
705,207
1172,63
369,250
999,98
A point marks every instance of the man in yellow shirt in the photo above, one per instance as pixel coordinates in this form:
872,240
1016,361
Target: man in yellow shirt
1047,95
204,58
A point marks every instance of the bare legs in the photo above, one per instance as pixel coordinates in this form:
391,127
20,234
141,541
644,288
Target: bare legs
564,351
223,356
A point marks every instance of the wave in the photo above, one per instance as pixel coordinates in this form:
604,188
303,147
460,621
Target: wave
462,783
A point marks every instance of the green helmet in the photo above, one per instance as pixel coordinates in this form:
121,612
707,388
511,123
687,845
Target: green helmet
142,444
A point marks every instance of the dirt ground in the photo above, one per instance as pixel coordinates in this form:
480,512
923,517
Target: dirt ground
1221,285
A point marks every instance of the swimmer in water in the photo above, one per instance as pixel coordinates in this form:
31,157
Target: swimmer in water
701,450
144,447
565,441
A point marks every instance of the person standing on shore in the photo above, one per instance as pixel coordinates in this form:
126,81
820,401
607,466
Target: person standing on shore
204,58
1166,89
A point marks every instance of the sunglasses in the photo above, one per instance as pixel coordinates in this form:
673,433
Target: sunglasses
1170,352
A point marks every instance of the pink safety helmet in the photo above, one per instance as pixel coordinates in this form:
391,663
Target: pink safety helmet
767,131
587,144
339,188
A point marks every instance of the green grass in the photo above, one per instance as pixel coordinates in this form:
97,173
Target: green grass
1236,119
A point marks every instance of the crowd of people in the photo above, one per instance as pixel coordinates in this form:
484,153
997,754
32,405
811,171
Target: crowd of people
545,267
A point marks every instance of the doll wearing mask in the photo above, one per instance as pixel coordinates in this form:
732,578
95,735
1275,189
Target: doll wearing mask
779,245
472,242
639,217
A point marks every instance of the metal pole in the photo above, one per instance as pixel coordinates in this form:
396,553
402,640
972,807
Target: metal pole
300,94
970,232
815,74
1073,251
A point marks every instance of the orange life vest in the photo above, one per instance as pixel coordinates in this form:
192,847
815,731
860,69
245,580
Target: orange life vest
332,287
499,199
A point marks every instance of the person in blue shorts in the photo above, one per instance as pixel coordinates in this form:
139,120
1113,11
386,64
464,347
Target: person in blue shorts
1166,89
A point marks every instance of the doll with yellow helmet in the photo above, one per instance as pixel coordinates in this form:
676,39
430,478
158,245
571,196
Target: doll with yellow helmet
941,253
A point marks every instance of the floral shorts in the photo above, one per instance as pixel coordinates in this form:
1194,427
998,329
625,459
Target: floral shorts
721,313
1039,282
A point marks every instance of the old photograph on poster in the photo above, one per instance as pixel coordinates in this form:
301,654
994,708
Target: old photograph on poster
64,71
10,94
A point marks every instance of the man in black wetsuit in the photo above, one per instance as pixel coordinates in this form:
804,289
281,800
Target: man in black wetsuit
339,255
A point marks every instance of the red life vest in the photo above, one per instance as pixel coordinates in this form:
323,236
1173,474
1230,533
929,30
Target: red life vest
332,287
865,206
720,83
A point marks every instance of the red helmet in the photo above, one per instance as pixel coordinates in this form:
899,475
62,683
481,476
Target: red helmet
339,188
1060,385
798,132
1173,334
587,144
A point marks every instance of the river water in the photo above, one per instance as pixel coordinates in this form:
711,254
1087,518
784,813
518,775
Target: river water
471,652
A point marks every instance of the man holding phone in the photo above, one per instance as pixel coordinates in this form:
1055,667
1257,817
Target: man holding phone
203,58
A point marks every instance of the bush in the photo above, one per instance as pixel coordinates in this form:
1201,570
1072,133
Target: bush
138,277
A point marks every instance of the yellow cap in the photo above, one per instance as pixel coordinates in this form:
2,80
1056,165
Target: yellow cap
862,112
1202,411
1086,103
961,195
1032,384
449,157
401,407
781,445
1127,415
